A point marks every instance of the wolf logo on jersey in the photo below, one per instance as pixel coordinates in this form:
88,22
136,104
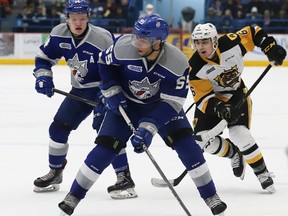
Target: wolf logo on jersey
78,68
229,77
144,89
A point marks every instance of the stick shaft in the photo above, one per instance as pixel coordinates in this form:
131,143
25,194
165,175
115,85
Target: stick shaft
241,102
129,123
219,127
75,97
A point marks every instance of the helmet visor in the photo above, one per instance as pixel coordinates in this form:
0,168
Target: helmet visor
142,42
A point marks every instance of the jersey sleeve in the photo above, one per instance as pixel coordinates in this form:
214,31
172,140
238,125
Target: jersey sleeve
251,36
47,55
202,92
107,64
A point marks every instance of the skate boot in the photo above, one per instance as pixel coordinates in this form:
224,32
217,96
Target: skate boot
49,182
216,205
238,163
68,205
266,181
123,188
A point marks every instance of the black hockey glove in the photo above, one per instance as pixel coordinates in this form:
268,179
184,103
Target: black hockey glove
275,53
227,112
223,110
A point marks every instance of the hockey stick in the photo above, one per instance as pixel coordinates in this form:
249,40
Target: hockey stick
239,105
129,123
160,183
75,97
190,107
157,182
205,136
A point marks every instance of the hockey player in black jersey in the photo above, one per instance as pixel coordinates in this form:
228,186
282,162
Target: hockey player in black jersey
216,85
79,43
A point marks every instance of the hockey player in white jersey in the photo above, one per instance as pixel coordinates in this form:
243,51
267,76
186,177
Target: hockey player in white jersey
79,43
149,79
217,86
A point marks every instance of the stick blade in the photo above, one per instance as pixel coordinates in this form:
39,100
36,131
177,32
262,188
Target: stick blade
160,182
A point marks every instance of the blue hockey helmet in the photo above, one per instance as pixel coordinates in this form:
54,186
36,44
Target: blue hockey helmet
152,26
77,6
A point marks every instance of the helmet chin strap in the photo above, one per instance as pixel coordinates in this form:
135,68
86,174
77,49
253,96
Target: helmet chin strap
214,51
212,55
153,50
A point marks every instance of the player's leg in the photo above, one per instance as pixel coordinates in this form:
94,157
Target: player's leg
252,155
124,186
181,140
241,136
218,145
112,137
226,148
68,117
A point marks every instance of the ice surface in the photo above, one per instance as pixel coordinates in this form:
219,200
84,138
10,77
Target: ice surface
24,120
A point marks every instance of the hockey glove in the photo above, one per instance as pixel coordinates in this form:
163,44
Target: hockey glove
113,97
275,53
45,85
223,110
143,136
227,112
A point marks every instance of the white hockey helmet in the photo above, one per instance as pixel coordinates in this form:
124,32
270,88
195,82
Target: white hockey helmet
205,31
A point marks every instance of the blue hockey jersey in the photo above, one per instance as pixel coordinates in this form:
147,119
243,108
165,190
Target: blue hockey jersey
165,82
81,56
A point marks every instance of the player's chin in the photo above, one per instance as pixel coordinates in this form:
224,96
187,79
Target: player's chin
204,54
78,31
141,53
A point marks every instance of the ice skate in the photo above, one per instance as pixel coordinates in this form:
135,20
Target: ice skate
266,181
216,205
123,188
238,163
49,182
68,205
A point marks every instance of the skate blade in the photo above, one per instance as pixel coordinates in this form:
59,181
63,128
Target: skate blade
50,188
123,194
271,189
156,182
221,214
62,213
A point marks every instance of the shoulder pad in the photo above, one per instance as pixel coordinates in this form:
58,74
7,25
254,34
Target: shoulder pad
60,30
196,63
173,59
123,50
228,41
99,37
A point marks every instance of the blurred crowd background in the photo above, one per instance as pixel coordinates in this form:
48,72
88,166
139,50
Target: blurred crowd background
116,15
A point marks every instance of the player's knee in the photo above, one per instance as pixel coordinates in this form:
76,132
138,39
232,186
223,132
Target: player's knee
59,132
110,143
177,135
213,145
241,136
97,121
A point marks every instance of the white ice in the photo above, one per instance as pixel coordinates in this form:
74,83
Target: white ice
26,115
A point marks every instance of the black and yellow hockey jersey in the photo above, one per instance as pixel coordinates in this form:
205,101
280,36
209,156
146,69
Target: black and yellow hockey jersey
210,81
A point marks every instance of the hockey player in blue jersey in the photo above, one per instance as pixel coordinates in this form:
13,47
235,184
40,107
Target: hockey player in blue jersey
149,79
80,44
